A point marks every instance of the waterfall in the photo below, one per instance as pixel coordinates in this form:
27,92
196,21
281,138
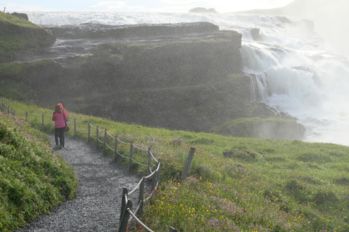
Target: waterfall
290,68
296,75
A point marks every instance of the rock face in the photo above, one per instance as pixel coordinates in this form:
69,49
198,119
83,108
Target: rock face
203,10
133,31
183,76
255,32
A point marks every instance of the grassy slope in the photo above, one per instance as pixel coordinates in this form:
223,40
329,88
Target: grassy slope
10,19
262,127
17,34
265,185
14,84
9,41
32,179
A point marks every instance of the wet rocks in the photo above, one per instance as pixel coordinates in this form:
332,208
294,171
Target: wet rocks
255,32
94,31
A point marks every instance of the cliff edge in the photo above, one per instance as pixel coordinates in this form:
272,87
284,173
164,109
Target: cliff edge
18,34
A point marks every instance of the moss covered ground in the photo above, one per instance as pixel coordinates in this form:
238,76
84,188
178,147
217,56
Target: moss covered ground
32,180
236,184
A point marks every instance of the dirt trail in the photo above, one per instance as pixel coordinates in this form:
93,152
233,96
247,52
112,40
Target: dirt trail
97,205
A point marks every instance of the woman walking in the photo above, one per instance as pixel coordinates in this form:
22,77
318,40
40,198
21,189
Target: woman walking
60,118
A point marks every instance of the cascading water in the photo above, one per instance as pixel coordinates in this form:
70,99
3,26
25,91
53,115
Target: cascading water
295,75
291,69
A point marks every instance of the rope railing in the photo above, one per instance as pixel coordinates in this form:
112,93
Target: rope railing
139,221
111,144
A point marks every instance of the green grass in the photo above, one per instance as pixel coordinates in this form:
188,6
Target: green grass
32,180
10,19
261,185
264,127
12,43
11,69
12,84
12,40
17,34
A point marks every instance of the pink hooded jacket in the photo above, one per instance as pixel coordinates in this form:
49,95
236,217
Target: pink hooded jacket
60,116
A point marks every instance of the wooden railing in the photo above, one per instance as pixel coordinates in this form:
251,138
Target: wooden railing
121,149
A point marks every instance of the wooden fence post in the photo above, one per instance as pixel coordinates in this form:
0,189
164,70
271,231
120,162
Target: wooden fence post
88,132
126,216
188,162
97,135
42,119
141,197
116,147
131,156
156,179
105,139
123,202
172,229
149,159
74,126
26,116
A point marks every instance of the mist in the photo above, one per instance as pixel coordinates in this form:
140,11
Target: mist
310,81
330,18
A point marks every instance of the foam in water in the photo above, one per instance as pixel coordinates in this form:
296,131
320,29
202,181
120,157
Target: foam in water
291,69
300,78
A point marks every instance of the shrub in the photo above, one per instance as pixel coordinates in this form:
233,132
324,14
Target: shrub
297,190
242,154
315,158
325,198
342,181
32,180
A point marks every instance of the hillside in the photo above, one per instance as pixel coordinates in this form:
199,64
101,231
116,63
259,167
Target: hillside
19,35
32,180
257,185
179,76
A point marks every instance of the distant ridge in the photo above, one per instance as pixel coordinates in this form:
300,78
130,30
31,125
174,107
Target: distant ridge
202,10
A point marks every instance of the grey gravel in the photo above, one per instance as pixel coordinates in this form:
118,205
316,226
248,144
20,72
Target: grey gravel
98,201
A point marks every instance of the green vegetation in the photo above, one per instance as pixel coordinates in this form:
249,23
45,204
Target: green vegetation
9,44
281,127
18,35
32,180
16,21
18,80
257,185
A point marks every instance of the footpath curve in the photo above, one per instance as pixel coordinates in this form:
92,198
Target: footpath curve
98,201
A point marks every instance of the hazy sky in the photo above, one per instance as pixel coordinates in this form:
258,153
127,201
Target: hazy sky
137,5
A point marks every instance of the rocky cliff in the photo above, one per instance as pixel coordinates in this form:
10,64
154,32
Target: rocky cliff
90,30
183,76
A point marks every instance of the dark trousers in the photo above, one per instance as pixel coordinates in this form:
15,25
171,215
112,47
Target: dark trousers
59,133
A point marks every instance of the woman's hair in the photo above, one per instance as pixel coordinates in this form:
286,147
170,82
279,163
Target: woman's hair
59,107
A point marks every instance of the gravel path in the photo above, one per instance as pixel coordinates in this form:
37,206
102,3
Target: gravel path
97,205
